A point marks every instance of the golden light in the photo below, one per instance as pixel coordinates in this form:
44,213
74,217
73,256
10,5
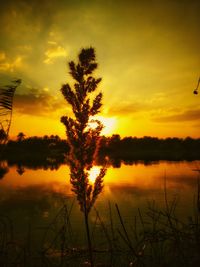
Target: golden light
108,123
93,173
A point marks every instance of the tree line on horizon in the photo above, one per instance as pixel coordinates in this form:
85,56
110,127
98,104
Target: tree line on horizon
114,146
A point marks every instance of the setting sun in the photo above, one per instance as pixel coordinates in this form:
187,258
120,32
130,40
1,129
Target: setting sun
93,173
108,123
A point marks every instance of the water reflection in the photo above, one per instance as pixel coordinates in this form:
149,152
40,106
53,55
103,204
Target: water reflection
137,177
20,169
3,169
131,186
55,163
34,198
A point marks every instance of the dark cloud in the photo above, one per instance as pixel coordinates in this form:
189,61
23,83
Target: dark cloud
125,109
189,115
37,102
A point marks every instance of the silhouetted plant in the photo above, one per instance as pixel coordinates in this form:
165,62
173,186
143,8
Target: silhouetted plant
3,135
196,89
82,138
6,106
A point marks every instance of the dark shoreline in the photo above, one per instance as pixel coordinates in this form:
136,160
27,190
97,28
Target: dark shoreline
112,150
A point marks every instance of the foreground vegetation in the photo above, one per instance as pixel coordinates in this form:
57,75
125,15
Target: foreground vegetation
152,237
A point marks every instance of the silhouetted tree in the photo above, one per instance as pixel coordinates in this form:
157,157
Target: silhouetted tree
20,137
20,169
3,169
82,139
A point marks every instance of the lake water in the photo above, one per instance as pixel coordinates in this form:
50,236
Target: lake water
30,199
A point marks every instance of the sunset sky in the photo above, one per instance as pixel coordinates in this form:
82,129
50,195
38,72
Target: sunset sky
148,53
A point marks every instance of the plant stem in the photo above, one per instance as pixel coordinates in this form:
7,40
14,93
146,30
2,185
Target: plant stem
88,238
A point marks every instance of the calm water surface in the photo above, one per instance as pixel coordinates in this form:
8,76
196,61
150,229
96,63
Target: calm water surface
130,186
34,197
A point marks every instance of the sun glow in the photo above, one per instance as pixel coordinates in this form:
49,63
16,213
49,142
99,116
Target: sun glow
108,123
93,173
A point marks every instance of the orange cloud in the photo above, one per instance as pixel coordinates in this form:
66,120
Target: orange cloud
188,115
